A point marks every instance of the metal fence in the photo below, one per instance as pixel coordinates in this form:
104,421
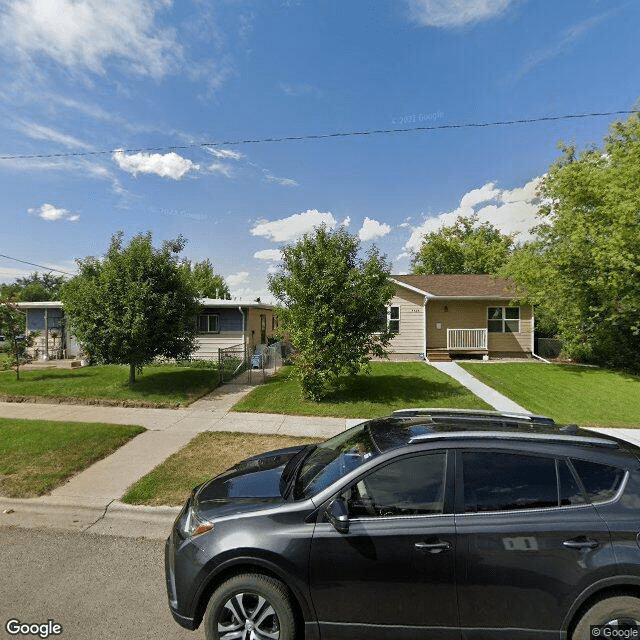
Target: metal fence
237,364
232,361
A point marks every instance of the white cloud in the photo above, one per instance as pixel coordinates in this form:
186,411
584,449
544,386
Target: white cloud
53,214
566,39
85,34
224,154
510,211
294,226
236,279
168,165
285,182
40,132
372,229
454,13
274,255
346,222
221,168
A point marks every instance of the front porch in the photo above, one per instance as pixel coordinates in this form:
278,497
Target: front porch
461,341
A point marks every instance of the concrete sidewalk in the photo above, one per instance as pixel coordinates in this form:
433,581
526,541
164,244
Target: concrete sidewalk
90,500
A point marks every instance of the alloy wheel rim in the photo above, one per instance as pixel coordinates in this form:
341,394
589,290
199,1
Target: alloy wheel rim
248,616
623,622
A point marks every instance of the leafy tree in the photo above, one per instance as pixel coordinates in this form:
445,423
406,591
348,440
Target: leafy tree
16,341
333,303
585,269
207,283
134,305
464,247
35,287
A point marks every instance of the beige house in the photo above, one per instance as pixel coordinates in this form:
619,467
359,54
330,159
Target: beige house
444,315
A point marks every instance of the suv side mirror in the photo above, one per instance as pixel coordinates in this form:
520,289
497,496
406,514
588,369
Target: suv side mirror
338,515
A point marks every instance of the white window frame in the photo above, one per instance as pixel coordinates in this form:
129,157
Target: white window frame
503,319
390,319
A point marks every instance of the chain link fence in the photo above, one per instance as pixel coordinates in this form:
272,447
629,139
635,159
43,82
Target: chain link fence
238,365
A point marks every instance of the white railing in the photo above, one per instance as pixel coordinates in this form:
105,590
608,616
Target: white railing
466,339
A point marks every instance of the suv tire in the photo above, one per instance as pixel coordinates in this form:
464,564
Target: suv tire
622,608
250,601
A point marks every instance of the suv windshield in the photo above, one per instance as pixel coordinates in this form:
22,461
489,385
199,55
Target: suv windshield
333,459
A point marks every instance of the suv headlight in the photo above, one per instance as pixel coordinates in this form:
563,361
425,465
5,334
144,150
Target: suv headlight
190,525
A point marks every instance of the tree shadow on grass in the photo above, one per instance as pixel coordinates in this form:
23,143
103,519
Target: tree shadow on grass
392,389
179,381
587,370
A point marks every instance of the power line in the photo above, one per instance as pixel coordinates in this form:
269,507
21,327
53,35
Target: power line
33,264
324,136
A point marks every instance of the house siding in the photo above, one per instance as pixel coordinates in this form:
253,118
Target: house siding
470,314
409,343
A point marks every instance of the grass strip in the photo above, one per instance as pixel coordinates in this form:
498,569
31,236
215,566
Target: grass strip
167,386
587,396
38,455
207,455
389,386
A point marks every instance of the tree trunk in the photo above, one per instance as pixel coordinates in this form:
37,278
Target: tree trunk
132,374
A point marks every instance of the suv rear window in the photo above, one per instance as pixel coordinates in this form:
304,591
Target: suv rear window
601,482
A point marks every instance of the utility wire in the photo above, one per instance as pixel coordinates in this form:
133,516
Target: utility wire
33,264
324,136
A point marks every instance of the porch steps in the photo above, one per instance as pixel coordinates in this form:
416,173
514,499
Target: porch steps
438,356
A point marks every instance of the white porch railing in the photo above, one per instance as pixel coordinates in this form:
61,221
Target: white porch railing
464,339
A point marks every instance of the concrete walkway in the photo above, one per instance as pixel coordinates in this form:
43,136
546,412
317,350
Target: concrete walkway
489,395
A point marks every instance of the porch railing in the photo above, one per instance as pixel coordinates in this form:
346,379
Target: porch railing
466,339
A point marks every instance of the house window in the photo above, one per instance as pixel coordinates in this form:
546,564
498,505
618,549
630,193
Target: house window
503,319
393,319
209,323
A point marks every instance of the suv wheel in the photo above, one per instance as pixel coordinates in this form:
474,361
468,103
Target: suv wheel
619,611
250,607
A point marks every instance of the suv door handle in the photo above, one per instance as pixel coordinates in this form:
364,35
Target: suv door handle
581,543
433,547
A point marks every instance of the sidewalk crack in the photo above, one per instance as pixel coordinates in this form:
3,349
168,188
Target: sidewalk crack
104,513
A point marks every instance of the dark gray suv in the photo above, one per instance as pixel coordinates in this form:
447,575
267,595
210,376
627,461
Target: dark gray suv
424,524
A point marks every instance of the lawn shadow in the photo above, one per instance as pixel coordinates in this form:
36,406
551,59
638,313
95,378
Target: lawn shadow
179,381
391,389
585,369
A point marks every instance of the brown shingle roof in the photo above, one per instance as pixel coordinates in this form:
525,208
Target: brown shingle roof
460,285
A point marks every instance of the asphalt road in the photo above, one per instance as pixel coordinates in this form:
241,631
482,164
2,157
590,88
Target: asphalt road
97,587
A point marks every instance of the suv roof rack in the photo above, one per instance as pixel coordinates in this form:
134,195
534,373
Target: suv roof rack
472,413
502,435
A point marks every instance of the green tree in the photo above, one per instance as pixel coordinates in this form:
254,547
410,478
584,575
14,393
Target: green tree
206,281
35,287
463,247
332,306
585,269
16,340
134,305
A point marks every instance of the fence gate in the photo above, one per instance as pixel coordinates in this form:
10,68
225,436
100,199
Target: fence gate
232,361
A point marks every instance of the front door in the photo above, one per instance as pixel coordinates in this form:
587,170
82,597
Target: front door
392,575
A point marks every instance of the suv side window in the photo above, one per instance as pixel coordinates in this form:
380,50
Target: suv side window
408,487
495,481
601,482
570,490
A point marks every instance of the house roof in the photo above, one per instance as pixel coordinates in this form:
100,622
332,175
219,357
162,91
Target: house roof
465,286
233,304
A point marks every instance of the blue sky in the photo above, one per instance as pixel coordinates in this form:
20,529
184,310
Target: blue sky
134,87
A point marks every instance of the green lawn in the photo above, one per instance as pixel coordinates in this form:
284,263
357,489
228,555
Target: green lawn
568,393
38,455
166,385
389,386
207,455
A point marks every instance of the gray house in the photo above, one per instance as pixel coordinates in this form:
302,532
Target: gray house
221,324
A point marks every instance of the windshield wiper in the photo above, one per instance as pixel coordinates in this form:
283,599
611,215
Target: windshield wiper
291,469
